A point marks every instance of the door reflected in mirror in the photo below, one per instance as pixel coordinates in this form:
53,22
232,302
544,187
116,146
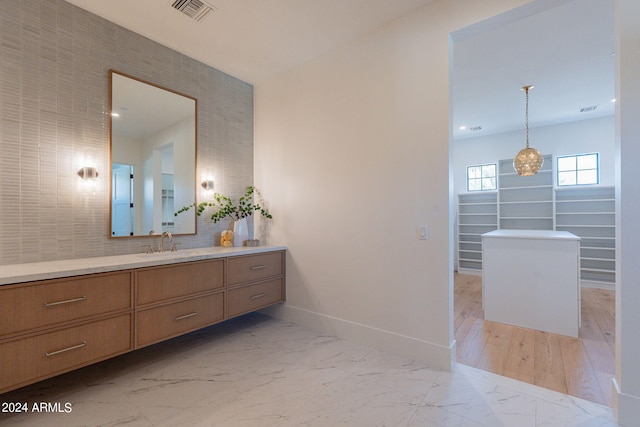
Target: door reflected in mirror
153,158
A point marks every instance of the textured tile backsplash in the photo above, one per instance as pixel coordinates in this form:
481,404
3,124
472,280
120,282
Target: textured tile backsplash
54,99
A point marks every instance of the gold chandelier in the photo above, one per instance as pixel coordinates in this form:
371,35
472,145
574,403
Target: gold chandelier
528,160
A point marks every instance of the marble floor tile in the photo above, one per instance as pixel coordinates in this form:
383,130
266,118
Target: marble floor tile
258,371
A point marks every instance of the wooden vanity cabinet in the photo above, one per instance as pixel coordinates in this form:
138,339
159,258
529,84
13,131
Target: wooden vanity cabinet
255,282
54,326
244,299
250,268
167,321
52,302
167,282
34,358
172,300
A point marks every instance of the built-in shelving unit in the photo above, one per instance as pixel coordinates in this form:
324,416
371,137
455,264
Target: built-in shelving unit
477,214
589,212
525,203
530,203
167,210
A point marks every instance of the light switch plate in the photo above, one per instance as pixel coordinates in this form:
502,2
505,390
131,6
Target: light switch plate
423,232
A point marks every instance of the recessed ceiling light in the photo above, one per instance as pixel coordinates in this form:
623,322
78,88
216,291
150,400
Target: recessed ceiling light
462,127
115,115
613,100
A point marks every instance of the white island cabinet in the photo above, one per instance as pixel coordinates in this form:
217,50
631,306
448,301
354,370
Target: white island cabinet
530,278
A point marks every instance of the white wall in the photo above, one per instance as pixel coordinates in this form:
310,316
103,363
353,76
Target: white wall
352,151
585,136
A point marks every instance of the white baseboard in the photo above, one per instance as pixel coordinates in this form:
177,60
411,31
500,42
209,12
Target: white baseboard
432,354
626,407
597,285
470,271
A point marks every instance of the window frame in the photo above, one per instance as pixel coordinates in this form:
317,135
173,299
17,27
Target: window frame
577,169
482,177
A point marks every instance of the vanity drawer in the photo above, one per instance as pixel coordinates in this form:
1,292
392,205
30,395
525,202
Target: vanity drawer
253,297
32,359
167,321
42,304
254,267
157,284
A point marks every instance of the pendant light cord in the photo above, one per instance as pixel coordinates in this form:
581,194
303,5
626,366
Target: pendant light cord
526,112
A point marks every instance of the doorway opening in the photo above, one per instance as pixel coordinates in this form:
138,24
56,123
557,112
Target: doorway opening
122,200
566,52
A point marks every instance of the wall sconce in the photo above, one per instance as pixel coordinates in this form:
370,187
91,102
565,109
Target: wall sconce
88,172
85,164
207,184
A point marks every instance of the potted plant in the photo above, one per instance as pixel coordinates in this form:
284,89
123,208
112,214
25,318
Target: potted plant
237,212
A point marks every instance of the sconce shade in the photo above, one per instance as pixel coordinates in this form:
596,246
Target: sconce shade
207,184
88,172
528,161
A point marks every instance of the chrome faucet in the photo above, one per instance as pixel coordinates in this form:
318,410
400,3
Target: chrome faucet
164,233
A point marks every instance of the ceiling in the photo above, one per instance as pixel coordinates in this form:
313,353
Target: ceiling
566,51
253,39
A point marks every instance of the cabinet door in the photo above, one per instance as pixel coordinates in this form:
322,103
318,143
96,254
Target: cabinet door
167,321
251,268
47,303
157,284
28,360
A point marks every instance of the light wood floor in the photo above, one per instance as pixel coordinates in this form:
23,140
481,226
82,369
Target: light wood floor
581,367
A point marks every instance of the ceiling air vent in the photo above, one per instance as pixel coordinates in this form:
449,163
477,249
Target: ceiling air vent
588,109
475,128
194,9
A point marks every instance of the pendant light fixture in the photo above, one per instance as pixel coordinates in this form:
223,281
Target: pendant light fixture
528,160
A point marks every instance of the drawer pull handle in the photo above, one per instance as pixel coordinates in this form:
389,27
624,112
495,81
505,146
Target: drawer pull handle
186,316
256,267
51,304
258,296
53,353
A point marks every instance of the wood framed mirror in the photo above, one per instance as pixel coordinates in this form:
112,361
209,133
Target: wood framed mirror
153,133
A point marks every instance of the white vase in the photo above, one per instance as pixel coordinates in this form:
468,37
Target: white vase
240,232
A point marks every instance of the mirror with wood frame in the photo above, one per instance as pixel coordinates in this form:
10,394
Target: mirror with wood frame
153,158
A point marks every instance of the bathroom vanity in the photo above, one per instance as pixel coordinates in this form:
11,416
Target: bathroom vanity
58,316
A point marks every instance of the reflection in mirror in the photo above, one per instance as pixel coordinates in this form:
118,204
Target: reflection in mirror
153,158
167,202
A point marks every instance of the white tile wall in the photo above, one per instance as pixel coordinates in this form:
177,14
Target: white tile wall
54,99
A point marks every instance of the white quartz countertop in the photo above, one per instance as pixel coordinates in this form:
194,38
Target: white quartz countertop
18,273
531,234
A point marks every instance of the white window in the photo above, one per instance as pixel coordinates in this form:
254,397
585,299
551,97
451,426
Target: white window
578,170
481,177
